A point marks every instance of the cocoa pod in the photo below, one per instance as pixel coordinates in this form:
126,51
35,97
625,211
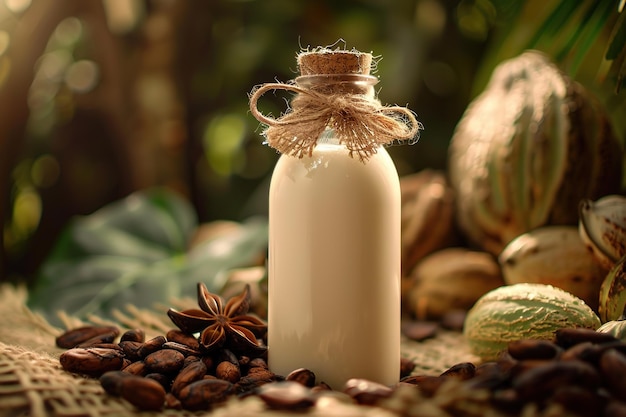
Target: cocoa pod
366,392
203,394
164,361
228,371
303,376
74,337
143,393
190,373
133,335
286,395
91,361
533,349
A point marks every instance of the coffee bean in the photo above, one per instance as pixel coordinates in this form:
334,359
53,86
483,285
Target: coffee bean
164,361
203,394
91,361
75,337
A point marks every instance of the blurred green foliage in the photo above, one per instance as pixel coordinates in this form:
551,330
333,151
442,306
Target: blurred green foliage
106,97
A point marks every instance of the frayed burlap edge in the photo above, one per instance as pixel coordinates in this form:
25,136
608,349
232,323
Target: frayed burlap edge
32,382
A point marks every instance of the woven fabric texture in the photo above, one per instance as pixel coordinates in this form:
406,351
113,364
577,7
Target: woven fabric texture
32,382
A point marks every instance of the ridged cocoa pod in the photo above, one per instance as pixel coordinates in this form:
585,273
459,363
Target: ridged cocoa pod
450,279
527,151
427,216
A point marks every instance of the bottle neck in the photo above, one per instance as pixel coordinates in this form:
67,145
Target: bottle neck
339,83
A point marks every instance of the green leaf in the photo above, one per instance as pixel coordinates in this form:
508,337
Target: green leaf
135,251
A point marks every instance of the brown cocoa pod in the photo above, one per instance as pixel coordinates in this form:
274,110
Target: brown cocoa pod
204,394
75,337
136,368
164,361
427,384
286,395
133,335
540,382
571,336
131,349
613,369
228,371
184,349
151,346
111,381
462,371
178,336
366,392
191,373
533,349
144,393
303,376
91,361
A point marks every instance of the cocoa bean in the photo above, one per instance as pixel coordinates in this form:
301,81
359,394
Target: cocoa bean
190,373
228,371
578,400
462,371
570,336
303,376
162,379
203,394
143,393
133,335
172,402
533,349
178,336
111,381
131,349
136,368
164,361
320,387
406,366
184,349
256,379
613,369
91,361
74,337
100,340
286,395
427,384
365,391
151,346
540,382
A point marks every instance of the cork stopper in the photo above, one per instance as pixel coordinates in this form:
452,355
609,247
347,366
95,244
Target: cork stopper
327,61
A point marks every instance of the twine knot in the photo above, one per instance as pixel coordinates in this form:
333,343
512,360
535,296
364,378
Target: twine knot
359,121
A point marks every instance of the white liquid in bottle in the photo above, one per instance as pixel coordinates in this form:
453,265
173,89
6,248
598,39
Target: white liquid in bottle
334,266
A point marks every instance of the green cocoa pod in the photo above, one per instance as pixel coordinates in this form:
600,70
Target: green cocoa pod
522,311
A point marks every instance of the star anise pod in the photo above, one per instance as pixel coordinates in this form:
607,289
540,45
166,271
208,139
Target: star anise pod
222,325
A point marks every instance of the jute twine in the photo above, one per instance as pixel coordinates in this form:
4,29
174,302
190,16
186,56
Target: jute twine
333,92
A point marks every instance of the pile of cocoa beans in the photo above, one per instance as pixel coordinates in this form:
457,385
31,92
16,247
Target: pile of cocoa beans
172,371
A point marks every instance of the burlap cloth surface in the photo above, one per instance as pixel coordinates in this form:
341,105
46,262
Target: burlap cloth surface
32,382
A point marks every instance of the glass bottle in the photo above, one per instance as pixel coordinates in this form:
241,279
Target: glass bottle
334,253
